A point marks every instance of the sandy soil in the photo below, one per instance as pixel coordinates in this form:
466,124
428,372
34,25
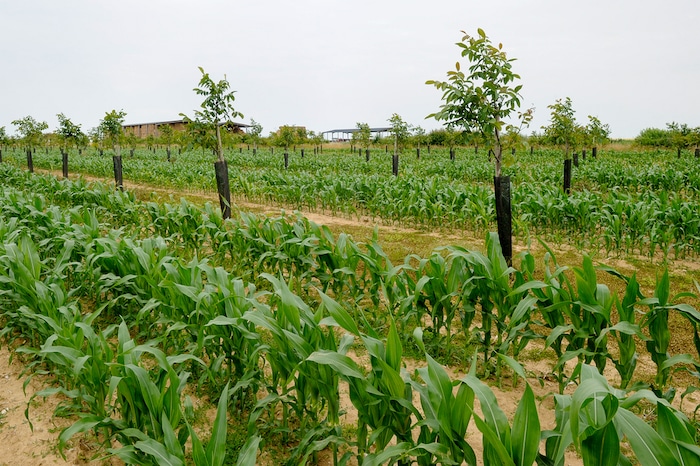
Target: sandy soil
19,443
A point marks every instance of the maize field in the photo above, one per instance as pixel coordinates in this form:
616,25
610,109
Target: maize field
135,307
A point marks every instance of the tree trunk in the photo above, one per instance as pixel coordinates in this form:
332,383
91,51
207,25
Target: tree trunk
222,186
0,155
567,176
30,161
118,174
576,159
286,160
219,146
366,155
504,219
64,159
418,153
697,154
594,152
395,164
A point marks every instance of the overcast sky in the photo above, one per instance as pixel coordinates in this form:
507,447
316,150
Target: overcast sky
328,64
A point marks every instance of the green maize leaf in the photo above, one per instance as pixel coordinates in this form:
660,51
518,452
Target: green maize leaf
513,364
602,448
588,393
523,308
493,445
216,448
418,337
198,454
494,417
674,431
391,378
148,390
693,457
82,425
527,286
558,331
340,315
339,362
647,445
172,443
158,452
662,291
405,450
556,443
249,453
127,454
678,359
525,436
689,311
394,350
392,452
622,327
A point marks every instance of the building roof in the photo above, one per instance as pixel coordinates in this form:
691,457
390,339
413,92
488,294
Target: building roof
171,122
354,130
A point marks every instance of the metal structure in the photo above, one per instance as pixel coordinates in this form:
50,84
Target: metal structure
346,134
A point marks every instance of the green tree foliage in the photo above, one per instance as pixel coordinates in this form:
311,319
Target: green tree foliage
563,130
254,132
363,136
653,137
400,130
481,100
167,135
216,108
4,138
679,135
676,135
420,137
112,130
31,131
597,132
69,133
286,136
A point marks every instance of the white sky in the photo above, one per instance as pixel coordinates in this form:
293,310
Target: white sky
330,64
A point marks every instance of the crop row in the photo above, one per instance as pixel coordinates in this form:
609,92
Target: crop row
257,336
627,219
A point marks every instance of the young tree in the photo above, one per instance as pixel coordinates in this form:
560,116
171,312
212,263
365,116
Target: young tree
286,136
216,108
31,131
679,135
301,135
420,137
563,130
111,127
363,136
254,132
597,132
166,135
400,130
68,132
483,99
